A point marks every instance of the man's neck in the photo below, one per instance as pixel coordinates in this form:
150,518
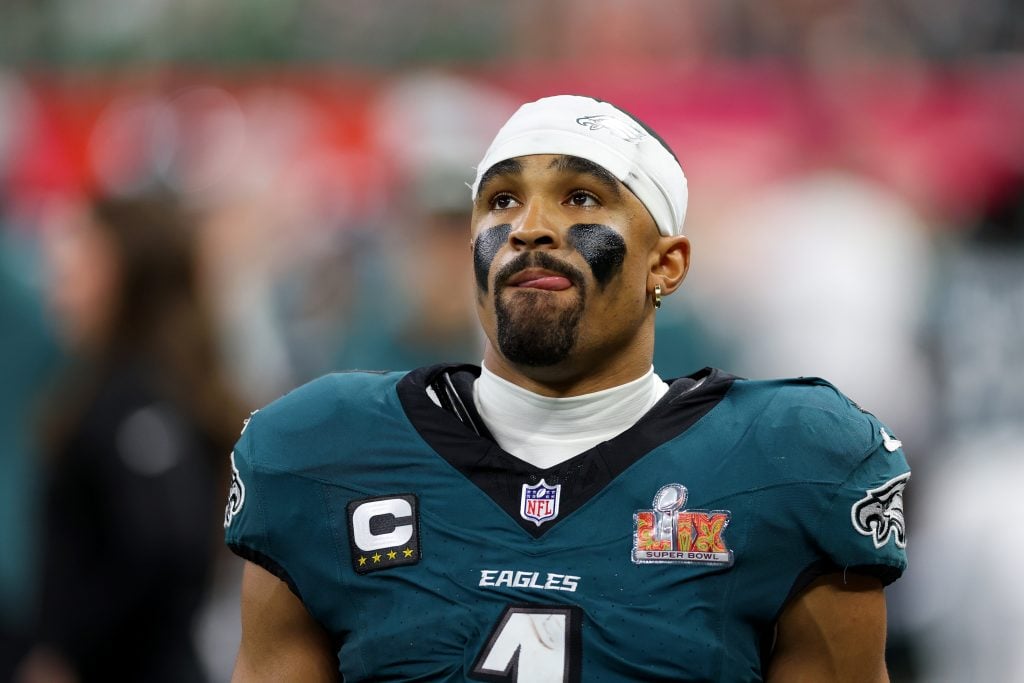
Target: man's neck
570,378
545,431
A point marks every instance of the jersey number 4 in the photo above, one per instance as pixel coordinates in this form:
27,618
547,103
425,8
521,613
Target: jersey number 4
534,643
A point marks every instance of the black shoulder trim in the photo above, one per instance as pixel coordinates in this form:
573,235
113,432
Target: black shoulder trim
469,448
451,397
885,573
806,577
258,558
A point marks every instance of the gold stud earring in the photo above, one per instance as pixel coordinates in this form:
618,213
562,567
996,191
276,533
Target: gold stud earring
657,296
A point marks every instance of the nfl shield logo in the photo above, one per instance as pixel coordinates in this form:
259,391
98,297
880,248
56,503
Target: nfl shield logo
539,502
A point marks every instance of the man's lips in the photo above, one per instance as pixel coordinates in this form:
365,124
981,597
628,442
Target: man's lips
533,278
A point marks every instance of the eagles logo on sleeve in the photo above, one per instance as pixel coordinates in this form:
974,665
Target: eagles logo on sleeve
236,494
879,514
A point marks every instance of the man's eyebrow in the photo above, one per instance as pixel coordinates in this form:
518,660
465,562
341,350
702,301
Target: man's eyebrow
585,166
502,168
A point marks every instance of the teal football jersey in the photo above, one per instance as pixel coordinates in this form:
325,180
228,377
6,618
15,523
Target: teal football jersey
664,554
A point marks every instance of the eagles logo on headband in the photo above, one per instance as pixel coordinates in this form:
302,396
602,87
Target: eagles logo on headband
599,132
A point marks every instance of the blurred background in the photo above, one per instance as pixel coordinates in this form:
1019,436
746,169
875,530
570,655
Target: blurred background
298,171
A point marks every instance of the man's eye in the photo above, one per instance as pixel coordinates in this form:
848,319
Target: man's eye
503,201
581,198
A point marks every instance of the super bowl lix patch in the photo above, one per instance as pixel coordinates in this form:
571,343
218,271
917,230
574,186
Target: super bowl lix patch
669,534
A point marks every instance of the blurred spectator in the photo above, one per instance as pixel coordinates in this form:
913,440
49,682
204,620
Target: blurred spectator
978,329
27,355
685,340
848,262
417,306
136,435
968,601
414,301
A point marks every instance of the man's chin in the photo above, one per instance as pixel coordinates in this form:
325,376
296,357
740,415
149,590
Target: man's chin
537,329
530,351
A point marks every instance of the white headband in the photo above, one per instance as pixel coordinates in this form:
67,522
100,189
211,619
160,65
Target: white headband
597,131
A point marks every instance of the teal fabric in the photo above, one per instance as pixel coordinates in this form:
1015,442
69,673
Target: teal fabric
787,461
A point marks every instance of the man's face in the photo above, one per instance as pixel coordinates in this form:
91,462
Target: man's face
561,251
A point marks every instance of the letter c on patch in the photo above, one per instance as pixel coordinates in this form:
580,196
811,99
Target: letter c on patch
384,523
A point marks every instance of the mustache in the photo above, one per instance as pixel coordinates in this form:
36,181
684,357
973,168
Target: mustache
539,259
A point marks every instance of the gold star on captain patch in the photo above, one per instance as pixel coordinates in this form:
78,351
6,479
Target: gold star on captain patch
376,558
407,552
392,555
362,561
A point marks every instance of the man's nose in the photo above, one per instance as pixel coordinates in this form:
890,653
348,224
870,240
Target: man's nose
536,228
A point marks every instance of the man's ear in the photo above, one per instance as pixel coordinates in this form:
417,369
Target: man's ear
670,263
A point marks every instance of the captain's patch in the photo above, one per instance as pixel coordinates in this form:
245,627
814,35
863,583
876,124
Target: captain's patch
236,494
669,534
879,514
383,532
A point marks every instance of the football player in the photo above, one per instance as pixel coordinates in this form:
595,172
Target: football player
561,512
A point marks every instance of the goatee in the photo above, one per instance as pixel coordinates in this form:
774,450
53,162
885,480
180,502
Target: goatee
533,330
